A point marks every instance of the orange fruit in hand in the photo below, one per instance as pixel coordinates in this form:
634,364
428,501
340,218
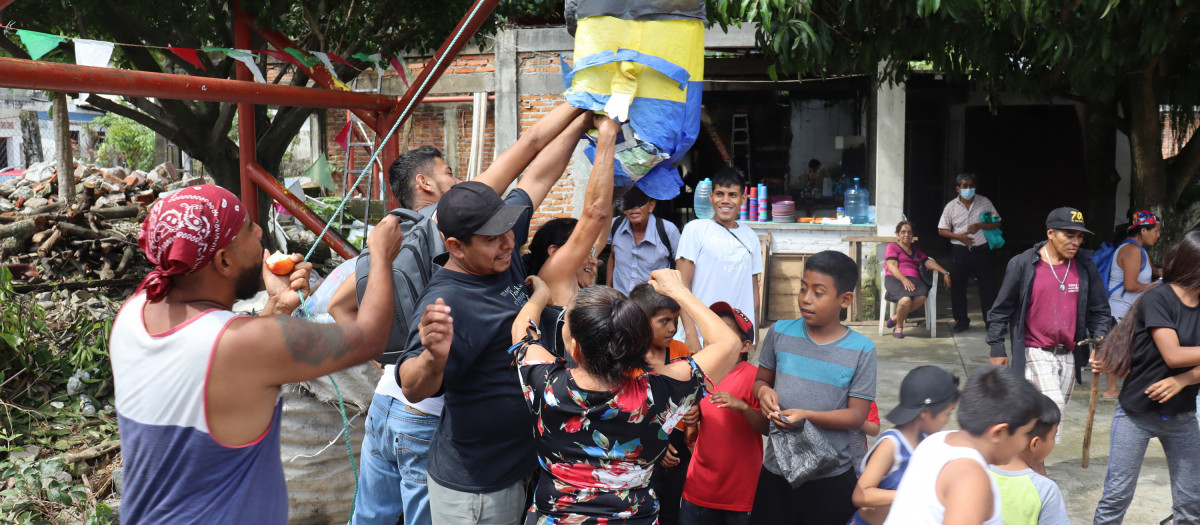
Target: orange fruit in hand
280,264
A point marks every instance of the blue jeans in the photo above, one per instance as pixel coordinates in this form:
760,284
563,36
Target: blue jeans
391,479
1127,448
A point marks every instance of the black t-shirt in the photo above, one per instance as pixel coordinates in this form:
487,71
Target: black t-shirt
485,440
1160,308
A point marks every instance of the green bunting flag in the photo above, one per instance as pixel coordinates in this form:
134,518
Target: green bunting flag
308,60
319,173
39,44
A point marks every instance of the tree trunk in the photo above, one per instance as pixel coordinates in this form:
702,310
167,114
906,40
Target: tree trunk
1149,188
66,160
31,138
1099,154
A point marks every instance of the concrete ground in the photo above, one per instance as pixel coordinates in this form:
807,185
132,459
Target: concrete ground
962,353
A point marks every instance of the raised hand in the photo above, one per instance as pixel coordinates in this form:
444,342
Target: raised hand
437,329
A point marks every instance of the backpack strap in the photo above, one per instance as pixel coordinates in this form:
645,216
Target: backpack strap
1117,252
662,236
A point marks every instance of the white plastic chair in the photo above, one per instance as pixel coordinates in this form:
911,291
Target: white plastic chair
887,309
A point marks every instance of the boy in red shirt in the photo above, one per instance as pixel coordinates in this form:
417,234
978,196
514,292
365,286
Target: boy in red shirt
728,456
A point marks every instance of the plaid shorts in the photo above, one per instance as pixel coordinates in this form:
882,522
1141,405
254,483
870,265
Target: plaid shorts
1052,374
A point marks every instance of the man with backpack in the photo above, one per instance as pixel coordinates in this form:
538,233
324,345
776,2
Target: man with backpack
638,249
392,480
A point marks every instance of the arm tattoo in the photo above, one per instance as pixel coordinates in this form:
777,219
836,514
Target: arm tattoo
314,343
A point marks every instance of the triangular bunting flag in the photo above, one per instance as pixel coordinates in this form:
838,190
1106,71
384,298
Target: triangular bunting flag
324,58
93,53
282,57
39,44
247,58
188,55
338,59
303,57
343,137
319,173
401,68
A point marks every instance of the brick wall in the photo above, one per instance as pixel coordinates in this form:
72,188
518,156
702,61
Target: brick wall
429,127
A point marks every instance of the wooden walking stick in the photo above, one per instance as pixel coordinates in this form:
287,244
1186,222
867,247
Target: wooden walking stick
1087,433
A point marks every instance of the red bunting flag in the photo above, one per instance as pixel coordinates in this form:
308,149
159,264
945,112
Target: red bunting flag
336,58
398,64
282,57
189,55
343,138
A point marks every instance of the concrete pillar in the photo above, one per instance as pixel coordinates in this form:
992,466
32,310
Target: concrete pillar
889,156
508,119
450,136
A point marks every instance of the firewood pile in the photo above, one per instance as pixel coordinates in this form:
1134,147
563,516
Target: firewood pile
44,240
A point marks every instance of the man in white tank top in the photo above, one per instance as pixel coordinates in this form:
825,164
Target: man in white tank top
947,479
197,387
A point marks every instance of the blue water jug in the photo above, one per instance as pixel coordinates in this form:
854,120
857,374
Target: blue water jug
701,204
858,203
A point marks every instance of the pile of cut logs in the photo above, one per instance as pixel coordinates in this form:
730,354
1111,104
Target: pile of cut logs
93,238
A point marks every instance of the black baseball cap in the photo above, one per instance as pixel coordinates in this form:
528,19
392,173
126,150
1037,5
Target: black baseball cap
473,208
1066,219
633,198
922,387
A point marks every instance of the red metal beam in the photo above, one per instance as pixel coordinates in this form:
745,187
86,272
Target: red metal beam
247,142
71,78
275,189
462,33
318,73
467,98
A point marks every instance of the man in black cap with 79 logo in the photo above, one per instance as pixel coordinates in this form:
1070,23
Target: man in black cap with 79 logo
1052,296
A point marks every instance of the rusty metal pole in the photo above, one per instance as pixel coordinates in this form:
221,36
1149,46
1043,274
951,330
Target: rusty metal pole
420,86
52,76
257,175
247,143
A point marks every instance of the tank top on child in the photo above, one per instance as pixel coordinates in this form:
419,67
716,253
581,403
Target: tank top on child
916,500
1120,300
901,452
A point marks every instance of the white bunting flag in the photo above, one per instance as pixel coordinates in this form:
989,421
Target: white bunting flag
248,59
92,53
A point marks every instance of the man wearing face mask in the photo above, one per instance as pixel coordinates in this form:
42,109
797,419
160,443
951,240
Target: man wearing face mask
1052,296
962,223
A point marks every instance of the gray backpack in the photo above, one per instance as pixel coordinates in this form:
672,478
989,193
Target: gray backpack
411,270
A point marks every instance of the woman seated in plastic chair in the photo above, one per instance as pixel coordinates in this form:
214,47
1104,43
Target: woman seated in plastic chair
903,284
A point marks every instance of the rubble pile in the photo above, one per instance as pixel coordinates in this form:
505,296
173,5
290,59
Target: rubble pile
93,237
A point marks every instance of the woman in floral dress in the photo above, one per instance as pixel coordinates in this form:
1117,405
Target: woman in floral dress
603,426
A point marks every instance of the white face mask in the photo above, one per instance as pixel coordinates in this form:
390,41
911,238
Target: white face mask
967,193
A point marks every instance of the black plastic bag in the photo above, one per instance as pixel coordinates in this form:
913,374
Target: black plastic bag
799,454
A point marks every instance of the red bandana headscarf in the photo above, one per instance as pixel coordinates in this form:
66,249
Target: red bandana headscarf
183,232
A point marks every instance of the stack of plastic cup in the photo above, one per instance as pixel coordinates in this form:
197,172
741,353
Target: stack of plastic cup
753,207
763,214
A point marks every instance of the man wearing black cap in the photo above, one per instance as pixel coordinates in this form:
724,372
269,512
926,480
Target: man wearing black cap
482,452
641,242
1052,296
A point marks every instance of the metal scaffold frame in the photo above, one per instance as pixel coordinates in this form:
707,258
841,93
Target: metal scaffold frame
379,112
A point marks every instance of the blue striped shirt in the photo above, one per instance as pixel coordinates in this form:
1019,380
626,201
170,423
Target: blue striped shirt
820,377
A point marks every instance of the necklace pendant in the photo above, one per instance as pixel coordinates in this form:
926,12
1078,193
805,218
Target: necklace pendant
1062,287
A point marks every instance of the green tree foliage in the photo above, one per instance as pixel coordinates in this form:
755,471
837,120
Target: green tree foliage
1123,60
126,143
202,128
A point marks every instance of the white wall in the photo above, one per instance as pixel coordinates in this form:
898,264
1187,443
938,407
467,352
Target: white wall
815,125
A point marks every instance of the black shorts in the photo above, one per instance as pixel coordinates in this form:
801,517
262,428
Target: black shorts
824,501
894,289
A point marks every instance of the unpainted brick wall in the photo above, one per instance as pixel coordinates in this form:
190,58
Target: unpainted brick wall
429,120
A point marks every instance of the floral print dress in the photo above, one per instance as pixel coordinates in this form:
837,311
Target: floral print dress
597,450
